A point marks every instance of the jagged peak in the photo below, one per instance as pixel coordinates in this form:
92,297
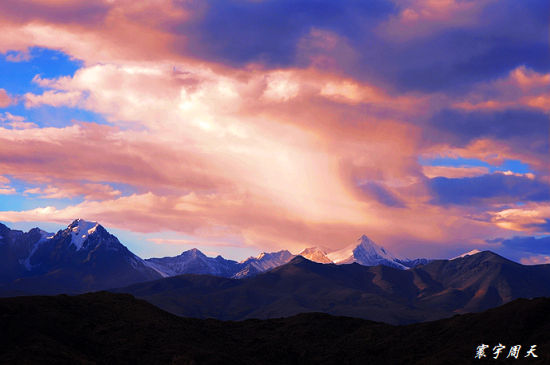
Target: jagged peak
366,244
80,230
82,223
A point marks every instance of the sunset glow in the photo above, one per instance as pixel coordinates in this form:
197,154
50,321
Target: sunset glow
245,126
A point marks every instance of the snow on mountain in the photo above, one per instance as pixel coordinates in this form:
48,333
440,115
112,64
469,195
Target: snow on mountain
315,254
44,236
366,253
193,262
263,262
80,230
90,250
340,256
82,257
269,260
469,253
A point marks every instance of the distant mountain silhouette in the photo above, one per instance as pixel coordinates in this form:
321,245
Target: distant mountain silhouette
113,328
436,290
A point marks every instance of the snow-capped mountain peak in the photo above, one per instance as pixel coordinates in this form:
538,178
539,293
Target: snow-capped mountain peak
315,254
80,230
366,252
368,247
192,261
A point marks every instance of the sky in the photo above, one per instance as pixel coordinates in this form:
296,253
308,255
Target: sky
242,126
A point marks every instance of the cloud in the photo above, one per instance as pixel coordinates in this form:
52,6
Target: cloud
208,150
529,244
510,125
5,188
535,260
90,191
74,11
52,98
499,187
15,121
453,172
356,39
285,123
270,32
5,99
492,136
21,56
382,194
521,88
418,19
533,217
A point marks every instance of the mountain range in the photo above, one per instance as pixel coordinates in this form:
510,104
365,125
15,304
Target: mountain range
439,289
85,257
363,280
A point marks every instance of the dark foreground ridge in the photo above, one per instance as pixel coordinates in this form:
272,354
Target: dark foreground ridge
117,328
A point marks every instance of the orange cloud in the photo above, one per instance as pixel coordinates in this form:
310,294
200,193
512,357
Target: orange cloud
531,218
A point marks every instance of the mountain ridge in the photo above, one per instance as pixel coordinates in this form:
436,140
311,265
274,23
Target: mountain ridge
439,289
117,328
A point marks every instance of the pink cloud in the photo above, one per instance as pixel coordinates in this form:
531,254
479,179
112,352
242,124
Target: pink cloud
492,151
15,121
187,141
453,172
420,18
5,189
529,218
273,157
522,87
5,99
72,189
52,98
535,260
